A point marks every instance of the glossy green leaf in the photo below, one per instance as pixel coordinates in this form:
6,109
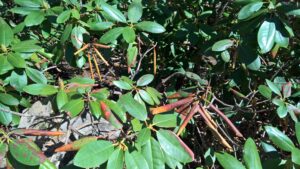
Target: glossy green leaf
34,18
93,154
74,107
222,45
174,146
8,99
64,16
249,10
266,36
135,160
145,80
40,89
265,91
3,150
5,66
281,40
113,13
151,27
26,46
143,136
16,60
166,120
47,164
287,89
6,33
273,87
25,152
95,108
154,94
77,36
111,35
36,76
251,156
66,33
282,111
116,160
18,80
255,64
227,161
153,154
279,139
128,34
5,118
100,26
297,131
225,55
296,156
295,12
146,97
116,109
133,107
29,3
132,52
122,85
61,98
135,11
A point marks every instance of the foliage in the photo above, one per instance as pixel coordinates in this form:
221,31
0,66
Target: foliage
176,80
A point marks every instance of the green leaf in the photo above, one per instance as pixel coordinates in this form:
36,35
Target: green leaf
95,108
111,35
280,139
249,10
74,107
5,66
132,52
113,13
265,91
29,3
225,55
93,154
251,156
153,154
25,152
5,118
266,36
116,109
135,11
282,111
145,80
34,18
8,99
40,89
128,34
66,34
133,107
166,120
155,95
273,87
174,146
47,164
295,12
255,64
36,76
135,160
143,136
281,40
228,161
61,99
16,60
77,36
296,156
18,80
6,33
26,46
151,27
146,97
83,80
63,17
100,26
222,45
116,160
297,131
122,85
3,151
287,89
